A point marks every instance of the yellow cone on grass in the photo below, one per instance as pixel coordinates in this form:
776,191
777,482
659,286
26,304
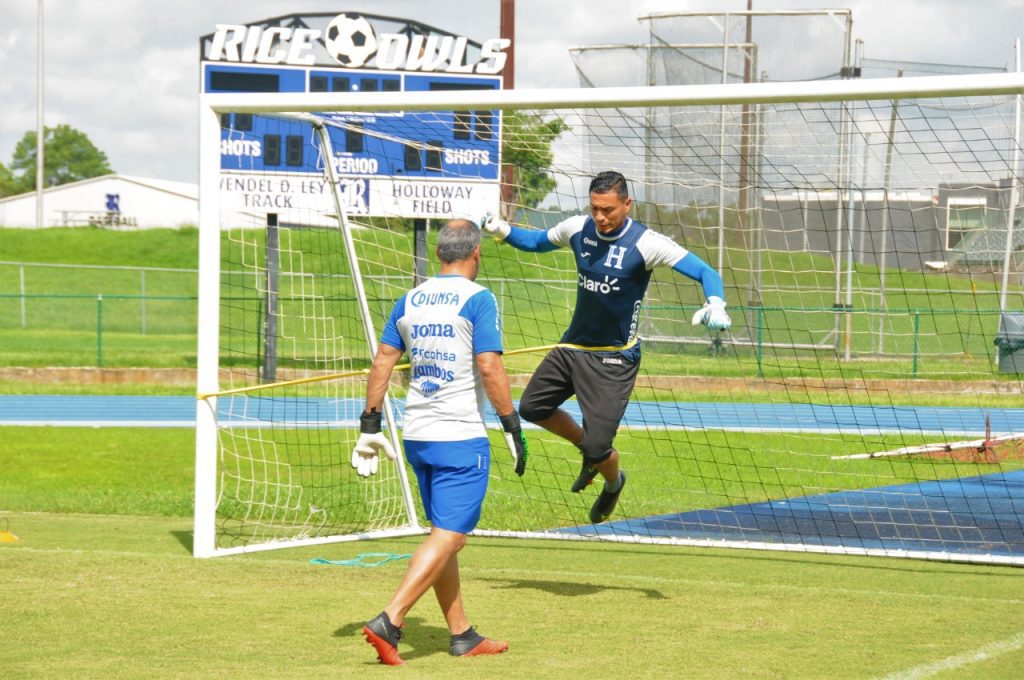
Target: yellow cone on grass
5,534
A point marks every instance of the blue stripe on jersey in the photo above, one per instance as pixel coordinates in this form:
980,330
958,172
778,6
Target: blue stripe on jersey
482,311
699,270
391,336
530,240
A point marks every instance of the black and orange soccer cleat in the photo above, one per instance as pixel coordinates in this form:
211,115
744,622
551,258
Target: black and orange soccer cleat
606,501
585,478
472,643
384,637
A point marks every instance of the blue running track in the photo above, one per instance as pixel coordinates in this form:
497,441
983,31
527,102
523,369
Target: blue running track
110,411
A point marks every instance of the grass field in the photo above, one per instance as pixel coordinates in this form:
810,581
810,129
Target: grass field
102,584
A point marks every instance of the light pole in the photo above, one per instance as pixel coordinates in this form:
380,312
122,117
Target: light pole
39,114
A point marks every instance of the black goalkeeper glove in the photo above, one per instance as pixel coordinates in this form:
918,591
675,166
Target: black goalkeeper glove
516,440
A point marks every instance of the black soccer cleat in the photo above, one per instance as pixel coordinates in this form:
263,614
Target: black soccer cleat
605,503
384,637
586,476
472,643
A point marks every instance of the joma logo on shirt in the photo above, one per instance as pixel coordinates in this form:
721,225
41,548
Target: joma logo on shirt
432,330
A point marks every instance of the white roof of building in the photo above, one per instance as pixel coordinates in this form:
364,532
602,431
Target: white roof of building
183,189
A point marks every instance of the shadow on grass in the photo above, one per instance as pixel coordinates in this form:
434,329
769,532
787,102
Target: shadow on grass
185,538
768,558
420,639
569,589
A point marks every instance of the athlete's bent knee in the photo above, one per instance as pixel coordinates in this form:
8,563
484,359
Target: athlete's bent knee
534,413
453,540
595,452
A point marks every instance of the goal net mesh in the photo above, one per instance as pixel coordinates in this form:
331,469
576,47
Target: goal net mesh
862,245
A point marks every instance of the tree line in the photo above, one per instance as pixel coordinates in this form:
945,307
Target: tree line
68,156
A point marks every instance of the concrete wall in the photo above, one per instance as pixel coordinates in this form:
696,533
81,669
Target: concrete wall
815,222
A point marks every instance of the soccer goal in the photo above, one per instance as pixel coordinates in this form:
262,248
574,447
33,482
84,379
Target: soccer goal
869,247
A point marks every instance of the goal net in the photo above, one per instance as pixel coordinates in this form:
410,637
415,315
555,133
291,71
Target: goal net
866,232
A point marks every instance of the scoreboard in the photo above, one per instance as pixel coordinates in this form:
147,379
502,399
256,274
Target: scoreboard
437,164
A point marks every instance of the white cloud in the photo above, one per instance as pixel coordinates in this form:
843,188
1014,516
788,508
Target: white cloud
126,72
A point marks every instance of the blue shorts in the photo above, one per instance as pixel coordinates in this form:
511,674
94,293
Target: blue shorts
453,480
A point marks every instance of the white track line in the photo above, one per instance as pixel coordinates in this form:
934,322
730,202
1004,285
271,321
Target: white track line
951,663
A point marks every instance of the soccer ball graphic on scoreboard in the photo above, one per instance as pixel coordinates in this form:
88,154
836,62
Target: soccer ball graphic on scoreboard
350,40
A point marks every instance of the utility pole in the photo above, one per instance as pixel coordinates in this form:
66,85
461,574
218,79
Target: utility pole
508,82
39,115
743,197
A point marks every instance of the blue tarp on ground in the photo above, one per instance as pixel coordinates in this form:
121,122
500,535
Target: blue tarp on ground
980,514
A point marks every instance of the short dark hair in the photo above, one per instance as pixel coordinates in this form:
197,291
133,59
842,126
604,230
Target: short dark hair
609,180
457,240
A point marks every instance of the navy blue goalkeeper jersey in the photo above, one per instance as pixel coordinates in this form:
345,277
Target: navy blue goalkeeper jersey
613,272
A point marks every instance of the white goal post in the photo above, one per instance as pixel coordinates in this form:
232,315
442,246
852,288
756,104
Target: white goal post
249,496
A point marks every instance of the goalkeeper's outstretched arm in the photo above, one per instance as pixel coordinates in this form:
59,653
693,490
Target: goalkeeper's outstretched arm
529,240
712,314
699,270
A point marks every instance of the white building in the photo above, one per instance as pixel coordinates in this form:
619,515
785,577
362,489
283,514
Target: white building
117,201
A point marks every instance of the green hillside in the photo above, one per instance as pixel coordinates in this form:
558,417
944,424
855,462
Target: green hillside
135,304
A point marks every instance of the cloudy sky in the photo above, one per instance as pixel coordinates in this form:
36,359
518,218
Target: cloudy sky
125,72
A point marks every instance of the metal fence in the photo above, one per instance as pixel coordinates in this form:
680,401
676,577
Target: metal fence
102,316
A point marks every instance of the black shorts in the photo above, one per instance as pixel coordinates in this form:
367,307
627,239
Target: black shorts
602,383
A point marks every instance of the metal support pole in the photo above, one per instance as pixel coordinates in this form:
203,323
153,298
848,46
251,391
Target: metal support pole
848,306
270,325
21,283
142,297
863,199
419,255
885,220
99,331
508,82
1014,195
841,181
40,128
721,150
364,312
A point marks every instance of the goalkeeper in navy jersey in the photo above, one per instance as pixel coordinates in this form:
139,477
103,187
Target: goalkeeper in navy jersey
598,356
450,328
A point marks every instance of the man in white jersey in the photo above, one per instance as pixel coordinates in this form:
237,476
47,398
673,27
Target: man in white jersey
599,354
449,326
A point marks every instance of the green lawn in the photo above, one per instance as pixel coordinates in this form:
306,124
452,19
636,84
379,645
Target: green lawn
102,584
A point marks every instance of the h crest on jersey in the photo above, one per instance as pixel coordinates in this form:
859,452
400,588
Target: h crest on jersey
615,255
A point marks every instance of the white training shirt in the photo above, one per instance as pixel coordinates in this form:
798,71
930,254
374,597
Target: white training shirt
442,324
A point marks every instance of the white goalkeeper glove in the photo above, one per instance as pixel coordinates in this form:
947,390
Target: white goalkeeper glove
499,229
515,440
366,454
712,315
